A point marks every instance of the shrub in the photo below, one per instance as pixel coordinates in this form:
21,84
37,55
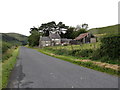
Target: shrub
61,52
5,46
81,52
110,46
86,52
96,54
109,50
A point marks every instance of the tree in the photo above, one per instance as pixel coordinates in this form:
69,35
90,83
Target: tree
72,32
44,29
61,27
52,27
47,27
69,33
85,26
33,39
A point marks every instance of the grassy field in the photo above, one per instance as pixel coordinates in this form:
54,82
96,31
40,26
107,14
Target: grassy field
108,30
105,30
7,67
77,47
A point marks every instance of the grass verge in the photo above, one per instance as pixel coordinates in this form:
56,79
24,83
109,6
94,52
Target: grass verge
84,64
7,67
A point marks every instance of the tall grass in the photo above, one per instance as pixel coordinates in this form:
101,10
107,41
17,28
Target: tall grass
7,67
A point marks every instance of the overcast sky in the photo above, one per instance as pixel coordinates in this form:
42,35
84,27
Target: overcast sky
20,15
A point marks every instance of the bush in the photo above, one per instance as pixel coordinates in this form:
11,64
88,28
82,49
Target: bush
5,46
109,50
7,55
96,54
7,49
82,52
110,46
85,52
61,52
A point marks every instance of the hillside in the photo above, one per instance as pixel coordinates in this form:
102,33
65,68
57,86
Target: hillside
20,37
105,30
14,38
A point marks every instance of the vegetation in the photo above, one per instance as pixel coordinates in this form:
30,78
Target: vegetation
109,49
9,39
14,38
22,38
71,33
103,31
6,46
106,30
7,66
110,46
104,51
34,38
8,54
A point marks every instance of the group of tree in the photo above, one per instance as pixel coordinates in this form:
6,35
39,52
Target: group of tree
63,30
73,32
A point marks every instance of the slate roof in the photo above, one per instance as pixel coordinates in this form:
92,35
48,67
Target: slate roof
81,36
45,39
54,36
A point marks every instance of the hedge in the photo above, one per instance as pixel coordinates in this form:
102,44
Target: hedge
110,46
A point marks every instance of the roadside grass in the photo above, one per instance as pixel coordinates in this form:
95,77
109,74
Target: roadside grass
85,51
7,54
84,64
7,67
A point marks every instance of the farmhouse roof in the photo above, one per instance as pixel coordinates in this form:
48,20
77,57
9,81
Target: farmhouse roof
81,36
45,39
54,36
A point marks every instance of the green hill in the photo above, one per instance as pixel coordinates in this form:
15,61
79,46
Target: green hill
9,39
14,38
22,38
105,30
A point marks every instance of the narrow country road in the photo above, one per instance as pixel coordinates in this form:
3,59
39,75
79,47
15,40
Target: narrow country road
36,70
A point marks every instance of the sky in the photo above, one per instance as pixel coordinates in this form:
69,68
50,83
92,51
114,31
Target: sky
20,15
